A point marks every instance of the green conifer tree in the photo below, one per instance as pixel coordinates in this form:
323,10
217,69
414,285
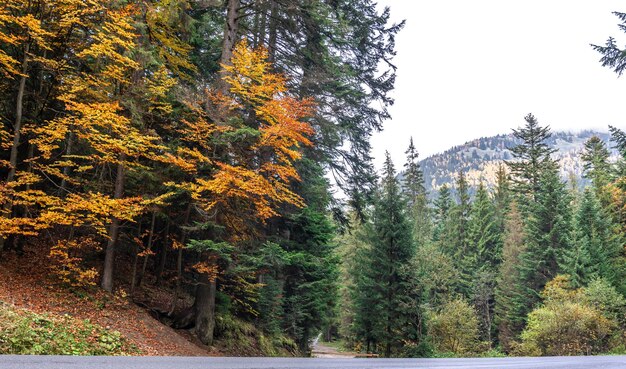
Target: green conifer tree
533,157
548,239
417,200
391,252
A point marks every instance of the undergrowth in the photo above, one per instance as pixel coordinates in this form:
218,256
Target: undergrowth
25,333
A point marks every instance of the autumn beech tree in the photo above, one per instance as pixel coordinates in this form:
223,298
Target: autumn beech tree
103,116
243,153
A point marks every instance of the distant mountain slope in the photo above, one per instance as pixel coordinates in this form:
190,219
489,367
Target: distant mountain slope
480,158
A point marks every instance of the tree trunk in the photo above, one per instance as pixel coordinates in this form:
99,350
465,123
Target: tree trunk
68,151
231,30
273,33
17,127
148,249
179,261
204,307
19,106
133,282
114,229
163,256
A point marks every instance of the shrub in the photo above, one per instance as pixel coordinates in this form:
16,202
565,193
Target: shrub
454,328
26,333
565,328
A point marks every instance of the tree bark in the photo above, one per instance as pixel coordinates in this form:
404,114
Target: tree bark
179,261
273,33
19,106
163,256
204,308
114,229
133,282
148,249
231,29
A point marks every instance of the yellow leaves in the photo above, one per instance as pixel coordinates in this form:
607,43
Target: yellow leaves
252,177
157,89
249,76
66,262
162,18
176,244
207,268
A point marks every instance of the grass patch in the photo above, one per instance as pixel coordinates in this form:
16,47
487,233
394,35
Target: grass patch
25,333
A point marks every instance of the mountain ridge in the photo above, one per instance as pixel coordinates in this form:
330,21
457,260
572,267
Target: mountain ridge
479,158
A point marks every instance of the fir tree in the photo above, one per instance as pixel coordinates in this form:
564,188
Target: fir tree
507,322
457,240
597,247
443,204
417,200
391,252
533,157
548,238
596,162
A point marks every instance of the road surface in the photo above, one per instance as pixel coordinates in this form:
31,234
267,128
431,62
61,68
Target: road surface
79,362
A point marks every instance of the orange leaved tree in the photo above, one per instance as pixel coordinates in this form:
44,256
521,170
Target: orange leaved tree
242,151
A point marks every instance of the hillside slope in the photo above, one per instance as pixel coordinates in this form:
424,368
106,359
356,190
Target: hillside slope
480,158
24,284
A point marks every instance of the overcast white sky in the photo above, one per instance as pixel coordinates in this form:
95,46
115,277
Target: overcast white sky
468,69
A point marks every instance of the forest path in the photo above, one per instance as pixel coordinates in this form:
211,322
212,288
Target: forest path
320,350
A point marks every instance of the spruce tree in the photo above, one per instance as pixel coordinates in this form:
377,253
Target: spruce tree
481,259
548,238
417,200
387,261
443,204
457,242
483,230
532,157
597,246
596,163
508,323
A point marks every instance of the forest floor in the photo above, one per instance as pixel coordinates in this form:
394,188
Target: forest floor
25,283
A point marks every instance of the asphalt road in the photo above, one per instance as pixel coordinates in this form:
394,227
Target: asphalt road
79,362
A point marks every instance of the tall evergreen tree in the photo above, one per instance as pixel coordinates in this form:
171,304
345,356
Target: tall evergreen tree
548,238
508,323
457,237
596,162
443,204
481,259
417,200
387,261
484,235
532,157
597,247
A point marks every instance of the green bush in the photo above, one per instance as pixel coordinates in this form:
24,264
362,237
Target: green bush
574,321
453,329
23,332
566,328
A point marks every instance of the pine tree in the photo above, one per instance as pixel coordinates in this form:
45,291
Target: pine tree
548,238
443,204
391,251
508,323
532,157
413,183
597,247
417,200
596,163
458,239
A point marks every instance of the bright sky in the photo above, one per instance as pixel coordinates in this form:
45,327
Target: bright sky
468,69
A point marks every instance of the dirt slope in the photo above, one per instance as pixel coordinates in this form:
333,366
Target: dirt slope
25,283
